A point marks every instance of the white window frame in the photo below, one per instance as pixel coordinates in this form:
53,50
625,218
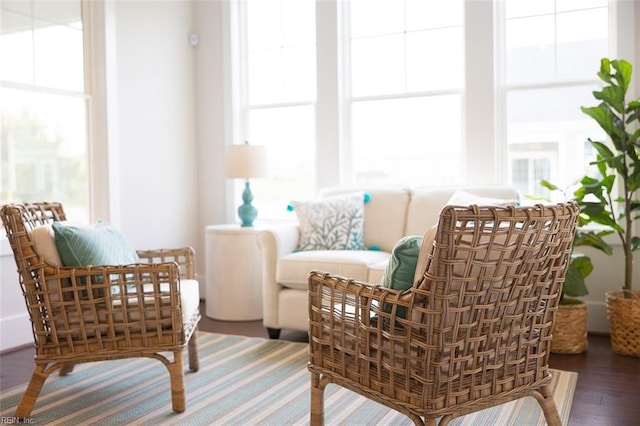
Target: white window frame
93,17
485,150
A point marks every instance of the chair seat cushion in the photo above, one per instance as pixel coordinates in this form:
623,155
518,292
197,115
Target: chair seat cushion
189,298
293,269
127,318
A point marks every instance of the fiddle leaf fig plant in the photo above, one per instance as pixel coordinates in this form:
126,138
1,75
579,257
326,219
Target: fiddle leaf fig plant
618,164
580,265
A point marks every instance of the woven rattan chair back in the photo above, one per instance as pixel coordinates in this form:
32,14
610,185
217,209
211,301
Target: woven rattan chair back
473,332
76,317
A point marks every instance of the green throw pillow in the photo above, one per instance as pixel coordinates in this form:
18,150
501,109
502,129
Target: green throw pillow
401,268
95,245
402,265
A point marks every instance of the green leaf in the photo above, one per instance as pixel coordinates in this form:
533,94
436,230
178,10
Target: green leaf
601,116
594,239
574,285
605,73
612,96
582,263
623,73
549,185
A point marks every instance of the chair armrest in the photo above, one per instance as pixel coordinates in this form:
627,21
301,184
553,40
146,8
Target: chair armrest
184,257
111,282
360,325
338,304
76,304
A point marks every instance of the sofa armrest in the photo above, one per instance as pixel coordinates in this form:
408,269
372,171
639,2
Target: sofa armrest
274,243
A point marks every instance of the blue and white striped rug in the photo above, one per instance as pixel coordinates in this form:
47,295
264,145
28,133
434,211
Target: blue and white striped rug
242,381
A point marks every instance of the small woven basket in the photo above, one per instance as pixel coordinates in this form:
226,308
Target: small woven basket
570,330
623,313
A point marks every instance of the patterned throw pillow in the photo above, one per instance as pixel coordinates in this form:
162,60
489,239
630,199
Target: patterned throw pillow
333,223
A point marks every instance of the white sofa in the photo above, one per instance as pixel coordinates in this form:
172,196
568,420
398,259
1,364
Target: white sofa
390,214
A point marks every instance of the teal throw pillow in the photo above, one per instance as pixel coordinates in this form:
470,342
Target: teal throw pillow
96,245
332,223
401,268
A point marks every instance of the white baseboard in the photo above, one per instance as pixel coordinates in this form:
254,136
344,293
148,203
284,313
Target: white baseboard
15,332
597,317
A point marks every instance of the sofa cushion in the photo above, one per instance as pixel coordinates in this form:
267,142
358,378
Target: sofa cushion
427,203
376,271
293,269
334,223
99,244
385,213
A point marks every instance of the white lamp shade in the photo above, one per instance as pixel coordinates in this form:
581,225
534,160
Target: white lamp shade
246,161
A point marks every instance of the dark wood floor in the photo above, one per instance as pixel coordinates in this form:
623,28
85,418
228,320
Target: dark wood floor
607,393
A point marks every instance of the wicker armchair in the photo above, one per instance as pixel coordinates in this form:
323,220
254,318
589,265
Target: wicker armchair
77,318
473,332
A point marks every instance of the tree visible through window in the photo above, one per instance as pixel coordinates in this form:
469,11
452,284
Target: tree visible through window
43,104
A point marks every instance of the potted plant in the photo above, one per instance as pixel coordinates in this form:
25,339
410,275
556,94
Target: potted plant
618,164
570,327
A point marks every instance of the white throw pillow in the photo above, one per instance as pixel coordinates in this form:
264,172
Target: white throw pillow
45,245
333,223
464,198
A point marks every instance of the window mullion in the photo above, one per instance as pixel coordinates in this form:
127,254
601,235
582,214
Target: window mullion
329,101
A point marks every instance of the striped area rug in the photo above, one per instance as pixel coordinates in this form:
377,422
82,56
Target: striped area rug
242,381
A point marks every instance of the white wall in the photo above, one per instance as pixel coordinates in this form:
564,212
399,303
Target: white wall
212,99
152,148
154,186
168,124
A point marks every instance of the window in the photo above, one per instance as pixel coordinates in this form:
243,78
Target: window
423,92
552,52
406,78
279,97
43,104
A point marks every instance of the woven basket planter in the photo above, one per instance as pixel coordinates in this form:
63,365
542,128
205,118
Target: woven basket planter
623,313
570,329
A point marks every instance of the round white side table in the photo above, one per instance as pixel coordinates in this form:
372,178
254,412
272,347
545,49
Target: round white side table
234,273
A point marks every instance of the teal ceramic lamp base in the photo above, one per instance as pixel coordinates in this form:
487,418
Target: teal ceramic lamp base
247,211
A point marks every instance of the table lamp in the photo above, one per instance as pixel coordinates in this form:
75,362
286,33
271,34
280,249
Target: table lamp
246,161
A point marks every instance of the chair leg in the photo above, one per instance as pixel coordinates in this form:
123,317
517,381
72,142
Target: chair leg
545,399
317,400
176,375
67,368
194,358
33,390
274,333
